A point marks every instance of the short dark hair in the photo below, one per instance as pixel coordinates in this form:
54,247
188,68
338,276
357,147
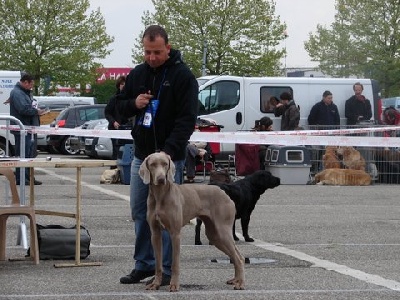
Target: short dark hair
326,93
26,77
153,31
285,96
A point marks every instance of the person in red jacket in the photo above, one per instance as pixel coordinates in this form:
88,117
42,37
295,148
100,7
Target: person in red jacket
391,116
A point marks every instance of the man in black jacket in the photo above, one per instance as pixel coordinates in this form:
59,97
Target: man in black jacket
162,94
357,107
324,113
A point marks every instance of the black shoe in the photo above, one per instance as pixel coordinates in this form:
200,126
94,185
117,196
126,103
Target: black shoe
35,182
135,276
166,279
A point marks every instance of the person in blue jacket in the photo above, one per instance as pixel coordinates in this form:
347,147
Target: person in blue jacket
325,113
24,108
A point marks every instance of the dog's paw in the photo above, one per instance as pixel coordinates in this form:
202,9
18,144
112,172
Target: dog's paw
235,238
198,242
152,286
173,287
237,284
248,239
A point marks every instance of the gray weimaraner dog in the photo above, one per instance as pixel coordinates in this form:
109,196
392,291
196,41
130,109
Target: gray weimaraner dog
172,206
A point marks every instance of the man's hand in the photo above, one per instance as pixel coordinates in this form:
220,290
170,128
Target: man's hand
42,112
142,100
116,125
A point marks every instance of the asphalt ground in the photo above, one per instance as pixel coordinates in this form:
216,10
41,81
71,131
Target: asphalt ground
312,242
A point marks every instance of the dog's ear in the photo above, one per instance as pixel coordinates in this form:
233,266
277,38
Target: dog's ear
144,172
171,171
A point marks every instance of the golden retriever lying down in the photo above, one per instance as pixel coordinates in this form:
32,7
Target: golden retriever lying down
343,177
330,159
352,158
110,176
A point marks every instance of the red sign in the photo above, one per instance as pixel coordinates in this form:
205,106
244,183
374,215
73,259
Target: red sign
112,73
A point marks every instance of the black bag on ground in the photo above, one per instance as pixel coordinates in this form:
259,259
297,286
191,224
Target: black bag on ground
58,242
220,176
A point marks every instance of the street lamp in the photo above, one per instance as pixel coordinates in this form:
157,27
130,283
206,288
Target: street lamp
286,35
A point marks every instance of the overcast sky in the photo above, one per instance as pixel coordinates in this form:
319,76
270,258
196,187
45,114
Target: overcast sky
123,21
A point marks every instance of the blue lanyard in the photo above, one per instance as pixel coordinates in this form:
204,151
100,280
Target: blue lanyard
161,84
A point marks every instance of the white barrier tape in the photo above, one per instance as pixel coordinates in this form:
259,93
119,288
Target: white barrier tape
294,140
301,137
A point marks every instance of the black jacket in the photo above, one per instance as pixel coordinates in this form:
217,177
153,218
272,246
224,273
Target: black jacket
112,113
355,108
177,111
322,114
290,116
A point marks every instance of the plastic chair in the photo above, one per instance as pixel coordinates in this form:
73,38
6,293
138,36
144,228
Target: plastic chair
206,165
16,209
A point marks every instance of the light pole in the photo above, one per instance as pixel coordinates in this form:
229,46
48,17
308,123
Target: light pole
203,69
286,35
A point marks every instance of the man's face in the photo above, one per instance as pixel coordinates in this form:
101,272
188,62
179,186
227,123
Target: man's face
358,90
328,99
156,52
28,85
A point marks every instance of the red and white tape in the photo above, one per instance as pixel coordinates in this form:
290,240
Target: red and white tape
338,137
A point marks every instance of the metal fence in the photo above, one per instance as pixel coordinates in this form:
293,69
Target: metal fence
382,163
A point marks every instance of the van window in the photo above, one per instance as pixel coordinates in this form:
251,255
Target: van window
269,95
223,95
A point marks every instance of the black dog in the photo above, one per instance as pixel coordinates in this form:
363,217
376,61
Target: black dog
245,193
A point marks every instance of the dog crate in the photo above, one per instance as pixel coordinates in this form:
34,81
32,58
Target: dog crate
290,163
124,160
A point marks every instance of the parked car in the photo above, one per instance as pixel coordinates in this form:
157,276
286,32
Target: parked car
73,117
86,143
102,147
42,141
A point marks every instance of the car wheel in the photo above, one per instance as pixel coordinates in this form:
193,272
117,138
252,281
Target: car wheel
66,147
3,149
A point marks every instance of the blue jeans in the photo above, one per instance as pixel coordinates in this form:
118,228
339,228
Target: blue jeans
30,152
144,256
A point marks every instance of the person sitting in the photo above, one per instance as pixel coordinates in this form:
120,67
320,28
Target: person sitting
195,150
264,124
391,116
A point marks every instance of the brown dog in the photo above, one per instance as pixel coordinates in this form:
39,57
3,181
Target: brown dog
171,206
343,177
330,159
351,158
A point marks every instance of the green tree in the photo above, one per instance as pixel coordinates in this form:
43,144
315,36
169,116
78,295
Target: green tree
57,39
103,91
241,36
362,41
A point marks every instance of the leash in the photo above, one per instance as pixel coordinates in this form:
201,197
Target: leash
153,113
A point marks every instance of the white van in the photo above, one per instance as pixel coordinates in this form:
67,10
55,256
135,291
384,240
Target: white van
236,102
